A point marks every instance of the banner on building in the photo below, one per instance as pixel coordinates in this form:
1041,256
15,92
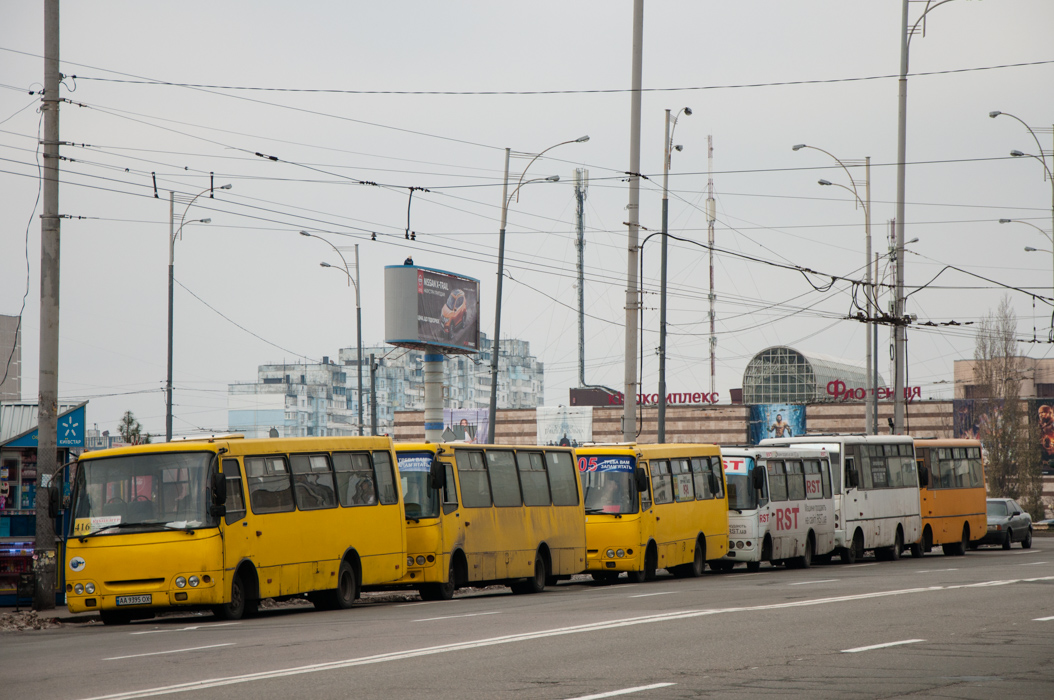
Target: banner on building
1041,414
775,420
466,424
564,425
968,415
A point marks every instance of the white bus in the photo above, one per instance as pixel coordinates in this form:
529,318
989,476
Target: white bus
876,491
780,507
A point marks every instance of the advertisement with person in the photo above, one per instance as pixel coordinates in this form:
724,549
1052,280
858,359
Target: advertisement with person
775,420
466,425
1041,414
447,309
569,426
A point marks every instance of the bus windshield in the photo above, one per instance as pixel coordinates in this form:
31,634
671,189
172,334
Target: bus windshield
741,493
608,484
419,499
141,492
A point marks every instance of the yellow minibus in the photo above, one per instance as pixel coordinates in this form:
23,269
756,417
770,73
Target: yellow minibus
952,495
653,506
223,522
489,514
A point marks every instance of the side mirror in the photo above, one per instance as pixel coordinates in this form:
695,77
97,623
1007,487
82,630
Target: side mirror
924,476
642,480
436,474
217,510
1015,514
851,478
219,489
53,502
757,479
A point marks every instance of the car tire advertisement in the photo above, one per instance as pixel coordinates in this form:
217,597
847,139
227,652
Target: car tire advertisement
447,309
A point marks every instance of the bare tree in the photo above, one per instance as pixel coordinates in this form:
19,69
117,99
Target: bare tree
1011,448
130,430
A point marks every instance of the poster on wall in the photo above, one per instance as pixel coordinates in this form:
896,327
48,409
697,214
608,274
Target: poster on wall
564,425
1041,414
775,420
466,425
968,416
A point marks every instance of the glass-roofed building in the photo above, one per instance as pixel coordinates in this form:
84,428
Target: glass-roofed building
784,375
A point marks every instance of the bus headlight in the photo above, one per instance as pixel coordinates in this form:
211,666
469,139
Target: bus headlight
194,581
739,544
420,560
180,582
620,553
78,589
610,554
89,587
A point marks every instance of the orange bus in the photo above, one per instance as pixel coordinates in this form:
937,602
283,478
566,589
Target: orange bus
952,495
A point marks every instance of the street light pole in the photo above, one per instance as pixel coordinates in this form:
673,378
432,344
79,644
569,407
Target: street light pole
174,233
870,383
661,436
358,310
496,341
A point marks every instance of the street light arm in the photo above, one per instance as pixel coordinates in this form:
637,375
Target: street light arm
1026,223
516,192
336,250
580,139
915,26
993,115
673,127
191,203
837,160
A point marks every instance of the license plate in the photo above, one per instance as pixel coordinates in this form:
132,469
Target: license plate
135,599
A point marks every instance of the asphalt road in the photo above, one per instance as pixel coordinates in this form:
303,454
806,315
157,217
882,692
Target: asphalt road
978,626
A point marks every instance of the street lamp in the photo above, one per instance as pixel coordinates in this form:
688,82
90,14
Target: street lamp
669,147
358,309
1030,249
1042,158
871,406
174,233
506,199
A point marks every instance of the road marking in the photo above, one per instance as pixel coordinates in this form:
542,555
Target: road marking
882,646
1034,563
187,629
451,617
1043,619
934,571
860,566
531,636
407,605
648,595
624,691
1027,551
806,583
173,651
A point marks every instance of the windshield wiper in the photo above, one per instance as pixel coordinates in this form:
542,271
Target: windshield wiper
595,510
120,526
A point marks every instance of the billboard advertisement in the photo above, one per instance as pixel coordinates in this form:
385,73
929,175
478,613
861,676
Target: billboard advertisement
466,424
426,308
775,420
564,425
1041,414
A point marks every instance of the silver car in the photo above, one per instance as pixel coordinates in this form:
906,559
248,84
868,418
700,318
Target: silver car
1007,523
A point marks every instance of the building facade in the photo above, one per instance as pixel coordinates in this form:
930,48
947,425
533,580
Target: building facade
1037,378
323,399
784,375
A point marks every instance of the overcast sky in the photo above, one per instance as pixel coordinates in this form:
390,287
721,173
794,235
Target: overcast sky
759,76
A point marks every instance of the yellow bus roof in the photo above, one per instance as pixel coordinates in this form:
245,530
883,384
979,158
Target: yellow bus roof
240,446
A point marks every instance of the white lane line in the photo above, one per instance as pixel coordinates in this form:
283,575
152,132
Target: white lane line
187,629
860,566
806,583
648,595
934,571
1027,551
1034,563
624,691
882,646
407,605
173,651
451,617
1043,619
529,636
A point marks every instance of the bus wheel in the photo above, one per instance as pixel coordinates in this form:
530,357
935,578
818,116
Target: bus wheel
343,596
604,578
698,565
957,549
916,550
898,546
854,551
805,560
753,566
235,609
534,584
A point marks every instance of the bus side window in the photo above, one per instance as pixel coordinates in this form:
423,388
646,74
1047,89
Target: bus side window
795,481
533,481
777,481
563,479
235,499
449,491
719,476
355,485
662,481
475,489
312,482
503,483
700,471
813,479
976,468
382,468
270,490
825,478
682,471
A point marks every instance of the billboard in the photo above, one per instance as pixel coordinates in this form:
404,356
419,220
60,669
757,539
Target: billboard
564,425
466,424
425,308
775,420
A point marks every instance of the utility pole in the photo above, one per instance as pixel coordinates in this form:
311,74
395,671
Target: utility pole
629,403
44,564
373,395
661,428
711,217
898,304
581,185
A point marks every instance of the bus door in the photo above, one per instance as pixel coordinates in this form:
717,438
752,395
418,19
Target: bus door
451,527
666,512
237,523
477,515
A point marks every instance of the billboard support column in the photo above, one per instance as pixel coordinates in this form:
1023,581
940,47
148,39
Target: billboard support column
433,397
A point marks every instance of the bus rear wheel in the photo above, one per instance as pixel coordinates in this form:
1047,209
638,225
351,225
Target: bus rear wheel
957,549
534,584
695,568
805,560
343,596
440,591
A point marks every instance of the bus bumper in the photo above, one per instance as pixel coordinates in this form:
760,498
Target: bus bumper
145,596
